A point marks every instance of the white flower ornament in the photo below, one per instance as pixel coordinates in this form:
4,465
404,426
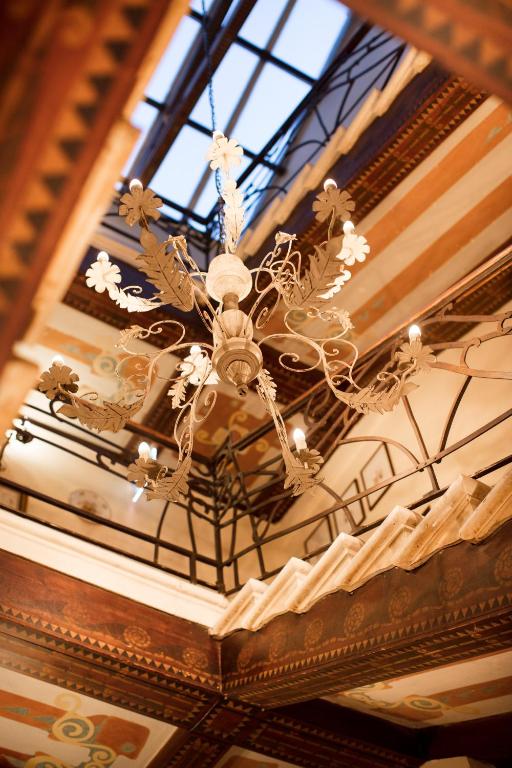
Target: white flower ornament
355,248
102,275
224,153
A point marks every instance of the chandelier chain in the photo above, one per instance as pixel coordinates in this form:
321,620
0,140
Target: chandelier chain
213,116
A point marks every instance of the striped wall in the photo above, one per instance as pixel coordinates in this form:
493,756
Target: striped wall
443,220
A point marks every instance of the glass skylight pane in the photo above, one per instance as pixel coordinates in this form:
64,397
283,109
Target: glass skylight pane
142,117
261,21
173,58
310,34
182,167
229,81
274,97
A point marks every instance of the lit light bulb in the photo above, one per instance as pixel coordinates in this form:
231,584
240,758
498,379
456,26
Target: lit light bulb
329,184
58,361
348,227
102,256
414,332
300,439
135,184
153,453
144,450
217,135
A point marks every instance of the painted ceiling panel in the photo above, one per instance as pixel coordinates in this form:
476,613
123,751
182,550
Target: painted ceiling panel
452,694
42,724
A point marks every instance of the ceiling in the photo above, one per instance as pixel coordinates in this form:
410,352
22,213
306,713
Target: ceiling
424,152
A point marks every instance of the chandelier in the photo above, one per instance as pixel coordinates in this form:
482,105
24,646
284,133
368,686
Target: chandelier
234,355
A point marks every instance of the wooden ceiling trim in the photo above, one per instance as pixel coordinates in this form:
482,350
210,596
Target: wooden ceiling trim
82,638
397,623
85,621
65,94
422,116
187,749
471,37
123,685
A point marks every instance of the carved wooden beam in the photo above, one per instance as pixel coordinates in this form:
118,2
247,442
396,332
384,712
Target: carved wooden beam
397,623
470,37
71,75
99,644
189,750
82,622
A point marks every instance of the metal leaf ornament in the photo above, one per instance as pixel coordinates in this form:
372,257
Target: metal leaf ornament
300,476
165,272
178,391
101,416
325,270
143,469
333,202
138,205
172,487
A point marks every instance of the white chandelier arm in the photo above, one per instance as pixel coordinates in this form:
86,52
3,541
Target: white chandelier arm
410,360
301,468
103,276
281,271
173,486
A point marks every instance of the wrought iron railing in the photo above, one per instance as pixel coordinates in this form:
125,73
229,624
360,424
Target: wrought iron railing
246,512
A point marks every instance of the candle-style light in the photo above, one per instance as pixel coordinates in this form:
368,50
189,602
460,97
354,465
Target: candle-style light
144,450
414,333
58,360
300,439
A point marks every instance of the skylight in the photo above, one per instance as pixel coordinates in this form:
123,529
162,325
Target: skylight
269,67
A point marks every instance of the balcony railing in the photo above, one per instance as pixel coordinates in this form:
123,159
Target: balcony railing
239,522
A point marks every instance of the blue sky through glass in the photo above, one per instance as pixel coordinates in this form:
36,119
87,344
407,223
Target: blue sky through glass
261,21
182,167
310,33
229,81
275,96
171,61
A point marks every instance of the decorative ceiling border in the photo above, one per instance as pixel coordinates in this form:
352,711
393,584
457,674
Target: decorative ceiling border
398,623
61,109
432,106
59,611
472,37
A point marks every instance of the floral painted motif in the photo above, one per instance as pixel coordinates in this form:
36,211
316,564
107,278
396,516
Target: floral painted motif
354,618
399,602
277,645
313,634
503,567
195,658
136,637
451,583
